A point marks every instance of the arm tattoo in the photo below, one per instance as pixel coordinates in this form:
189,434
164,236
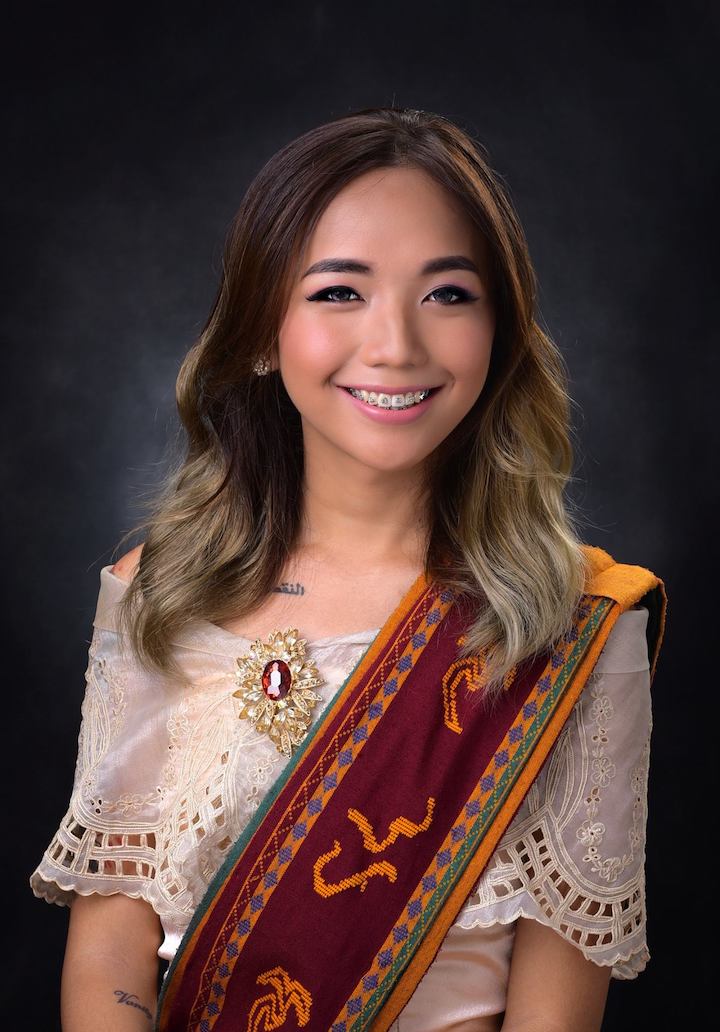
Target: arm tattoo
132,1001
290,589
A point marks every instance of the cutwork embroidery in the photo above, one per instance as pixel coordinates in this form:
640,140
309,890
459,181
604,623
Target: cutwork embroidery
535,871
591,832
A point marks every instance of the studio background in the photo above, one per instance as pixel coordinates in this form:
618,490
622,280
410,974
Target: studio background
132,138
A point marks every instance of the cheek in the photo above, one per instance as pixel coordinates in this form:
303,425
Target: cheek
468,357
307,344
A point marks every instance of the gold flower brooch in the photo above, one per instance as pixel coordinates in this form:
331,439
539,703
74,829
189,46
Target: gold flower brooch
275,690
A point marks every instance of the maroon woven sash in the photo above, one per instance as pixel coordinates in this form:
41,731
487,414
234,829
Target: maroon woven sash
335,899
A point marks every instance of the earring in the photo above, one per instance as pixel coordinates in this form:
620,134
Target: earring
261,367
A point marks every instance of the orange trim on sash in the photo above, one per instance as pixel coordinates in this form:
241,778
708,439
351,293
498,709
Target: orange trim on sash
626,585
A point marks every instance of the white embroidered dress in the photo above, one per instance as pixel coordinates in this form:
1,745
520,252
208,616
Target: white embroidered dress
167,777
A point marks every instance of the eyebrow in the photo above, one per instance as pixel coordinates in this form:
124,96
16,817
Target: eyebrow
447,264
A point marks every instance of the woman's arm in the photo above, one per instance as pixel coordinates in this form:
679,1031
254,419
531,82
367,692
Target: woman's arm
110,972
552,986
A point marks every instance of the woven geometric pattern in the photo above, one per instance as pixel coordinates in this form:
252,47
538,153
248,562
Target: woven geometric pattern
471,823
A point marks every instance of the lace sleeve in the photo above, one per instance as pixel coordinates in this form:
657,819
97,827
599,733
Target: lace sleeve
124,774
573,856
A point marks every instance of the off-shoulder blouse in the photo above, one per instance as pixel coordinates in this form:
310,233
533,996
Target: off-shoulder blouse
167,777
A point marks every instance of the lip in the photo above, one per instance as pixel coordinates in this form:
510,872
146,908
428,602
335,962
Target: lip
388,415
384,389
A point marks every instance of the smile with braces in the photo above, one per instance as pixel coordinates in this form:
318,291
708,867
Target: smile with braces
393,401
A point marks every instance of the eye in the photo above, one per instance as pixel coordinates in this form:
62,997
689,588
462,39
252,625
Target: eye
459,292
322,295
330,294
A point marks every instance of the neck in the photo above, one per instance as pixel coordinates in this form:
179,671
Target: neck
362,517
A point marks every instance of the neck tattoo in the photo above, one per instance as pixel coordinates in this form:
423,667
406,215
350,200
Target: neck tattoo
290,589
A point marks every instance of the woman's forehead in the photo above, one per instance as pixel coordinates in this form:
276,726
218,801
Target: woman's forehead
391,218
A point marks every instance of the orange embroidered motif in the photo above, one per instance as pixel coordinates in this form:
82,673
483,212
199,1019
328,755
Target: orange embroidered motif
271,1010
469,670
398,826
361,878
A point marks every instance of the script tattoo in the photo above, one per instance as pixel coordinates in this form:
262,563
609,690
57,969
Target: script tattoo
290,589
132,1001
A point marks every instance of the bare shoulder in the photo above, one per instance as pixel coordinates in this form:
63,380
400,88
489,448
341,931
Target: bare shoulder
127,564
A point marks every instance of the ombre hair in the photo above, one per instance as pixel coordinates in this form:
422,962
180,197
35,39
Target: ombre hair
225,521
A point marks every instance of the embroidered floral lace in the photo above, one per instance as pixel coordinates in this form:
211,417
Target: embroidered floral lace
167,777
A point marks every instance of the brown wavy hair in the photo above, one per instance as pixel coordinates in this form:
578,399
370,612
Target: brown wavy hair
226,519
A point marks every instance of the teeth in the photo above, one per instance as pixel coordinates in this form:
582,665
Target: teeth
393,401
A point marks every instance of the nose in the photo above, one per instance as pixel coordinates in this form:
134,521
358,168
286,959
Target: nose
391,336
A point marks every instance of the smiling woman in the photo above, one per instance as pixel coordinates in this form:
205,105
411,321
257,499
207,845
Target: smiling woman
363,702
393,328
438,292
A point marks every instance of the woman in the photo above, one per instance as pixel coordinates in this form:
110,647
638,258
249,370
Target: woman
362,637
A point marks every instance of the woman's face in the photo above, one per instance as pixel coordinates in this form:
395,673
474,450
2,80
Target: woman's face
382,320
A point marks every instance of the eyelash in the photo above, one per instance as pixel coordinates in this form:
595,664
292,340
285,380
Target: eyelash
464,295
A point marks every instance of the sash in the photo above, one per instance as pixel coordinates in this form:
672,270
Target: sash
333,902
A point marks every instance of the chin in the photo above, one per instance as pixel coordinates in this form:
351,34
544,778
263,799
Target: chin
390,463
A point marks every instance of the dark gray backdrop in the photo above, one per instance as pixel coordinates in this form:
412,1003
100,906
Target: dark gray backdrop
132,136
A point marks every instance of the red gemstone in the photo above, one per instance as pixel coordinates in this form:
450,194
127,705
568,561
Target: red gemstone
276,679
